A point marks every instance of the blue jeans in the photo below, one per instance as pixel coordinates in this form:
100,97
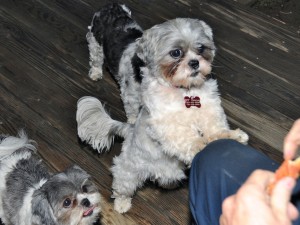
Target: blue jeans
218,171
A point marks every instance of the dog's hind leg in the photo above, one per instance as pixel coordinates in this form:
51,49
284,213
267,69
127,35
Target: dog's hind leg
172,178
96,57
126,180
124,186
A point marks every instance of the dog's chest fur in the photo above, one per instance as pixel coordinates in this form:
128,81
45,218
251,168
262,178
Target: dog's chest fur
172,120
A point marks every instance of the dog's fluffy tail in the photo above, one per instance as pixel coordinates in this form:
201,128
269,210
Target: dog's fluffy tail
95,126
10,144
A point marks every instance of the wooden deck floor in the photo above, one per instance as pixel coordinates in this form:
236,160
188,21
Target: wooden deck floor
44,66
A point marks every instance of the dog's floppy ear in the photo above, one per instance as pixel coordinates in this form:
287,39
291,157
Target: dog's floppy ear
147,45
76,167
75,170
41,209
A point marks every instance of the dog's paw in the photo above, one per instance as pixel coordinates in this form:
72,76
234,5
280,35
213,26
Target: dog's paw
241,136
95,73
196,147
122,204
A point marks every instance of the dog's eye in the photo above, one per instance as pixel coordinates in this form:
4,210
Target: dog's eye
67,203
177,53
201,49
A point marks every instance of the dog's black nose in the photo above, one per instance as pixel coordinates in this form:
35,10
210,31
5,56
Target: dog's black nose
85,202
194,64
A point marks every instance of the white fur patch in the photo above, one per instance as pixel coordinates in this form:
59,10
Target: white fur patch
122,204
25,217
11,144
96,57
126,9
94,198
93,123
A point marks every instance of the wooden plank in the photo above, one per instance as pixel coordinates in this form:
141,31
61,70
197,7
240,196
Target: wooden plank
70,75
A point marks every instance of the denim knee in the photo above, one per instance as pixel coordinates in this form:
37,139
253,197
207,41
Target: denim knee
230,153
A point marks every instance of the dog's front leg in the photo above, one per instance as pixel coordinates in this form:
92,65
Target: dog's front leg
196,146
96,57
236,134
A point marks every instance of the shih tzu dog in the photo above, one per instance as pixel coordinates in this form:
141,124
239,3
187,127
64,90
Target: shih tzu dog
29,195
173,109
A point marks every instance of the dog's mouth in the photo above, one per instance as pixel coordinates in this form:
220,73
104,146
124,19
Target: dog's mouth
194,74
89,211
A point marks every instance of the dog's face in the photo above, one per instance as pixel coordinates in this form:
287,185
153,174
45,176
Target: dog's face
179,51
68,198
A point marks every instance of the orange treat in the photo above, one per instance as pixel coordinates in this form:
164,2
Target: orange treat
289,168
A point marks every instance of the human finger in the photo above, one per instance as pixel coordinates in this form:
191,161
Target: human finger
223,220
293,212
261,178
227,208
280,199
292,141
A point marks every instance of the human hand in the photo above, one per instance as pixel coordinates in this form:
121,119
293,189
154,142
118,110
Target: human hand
292,141
251,205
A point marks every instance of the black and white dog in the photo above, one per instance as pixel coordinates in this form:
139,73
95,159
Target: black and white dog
173,110
111,38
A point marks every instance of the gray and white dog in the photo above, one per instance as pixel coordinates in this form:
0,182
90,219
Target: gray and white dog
173,109
30,195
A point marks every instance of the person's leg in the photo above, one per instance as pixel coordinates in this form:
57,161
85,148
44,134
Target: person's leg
217,172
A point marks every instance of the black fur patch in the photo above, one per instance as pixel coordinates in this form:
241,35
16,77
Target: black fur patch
137,63
211,76
109,30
